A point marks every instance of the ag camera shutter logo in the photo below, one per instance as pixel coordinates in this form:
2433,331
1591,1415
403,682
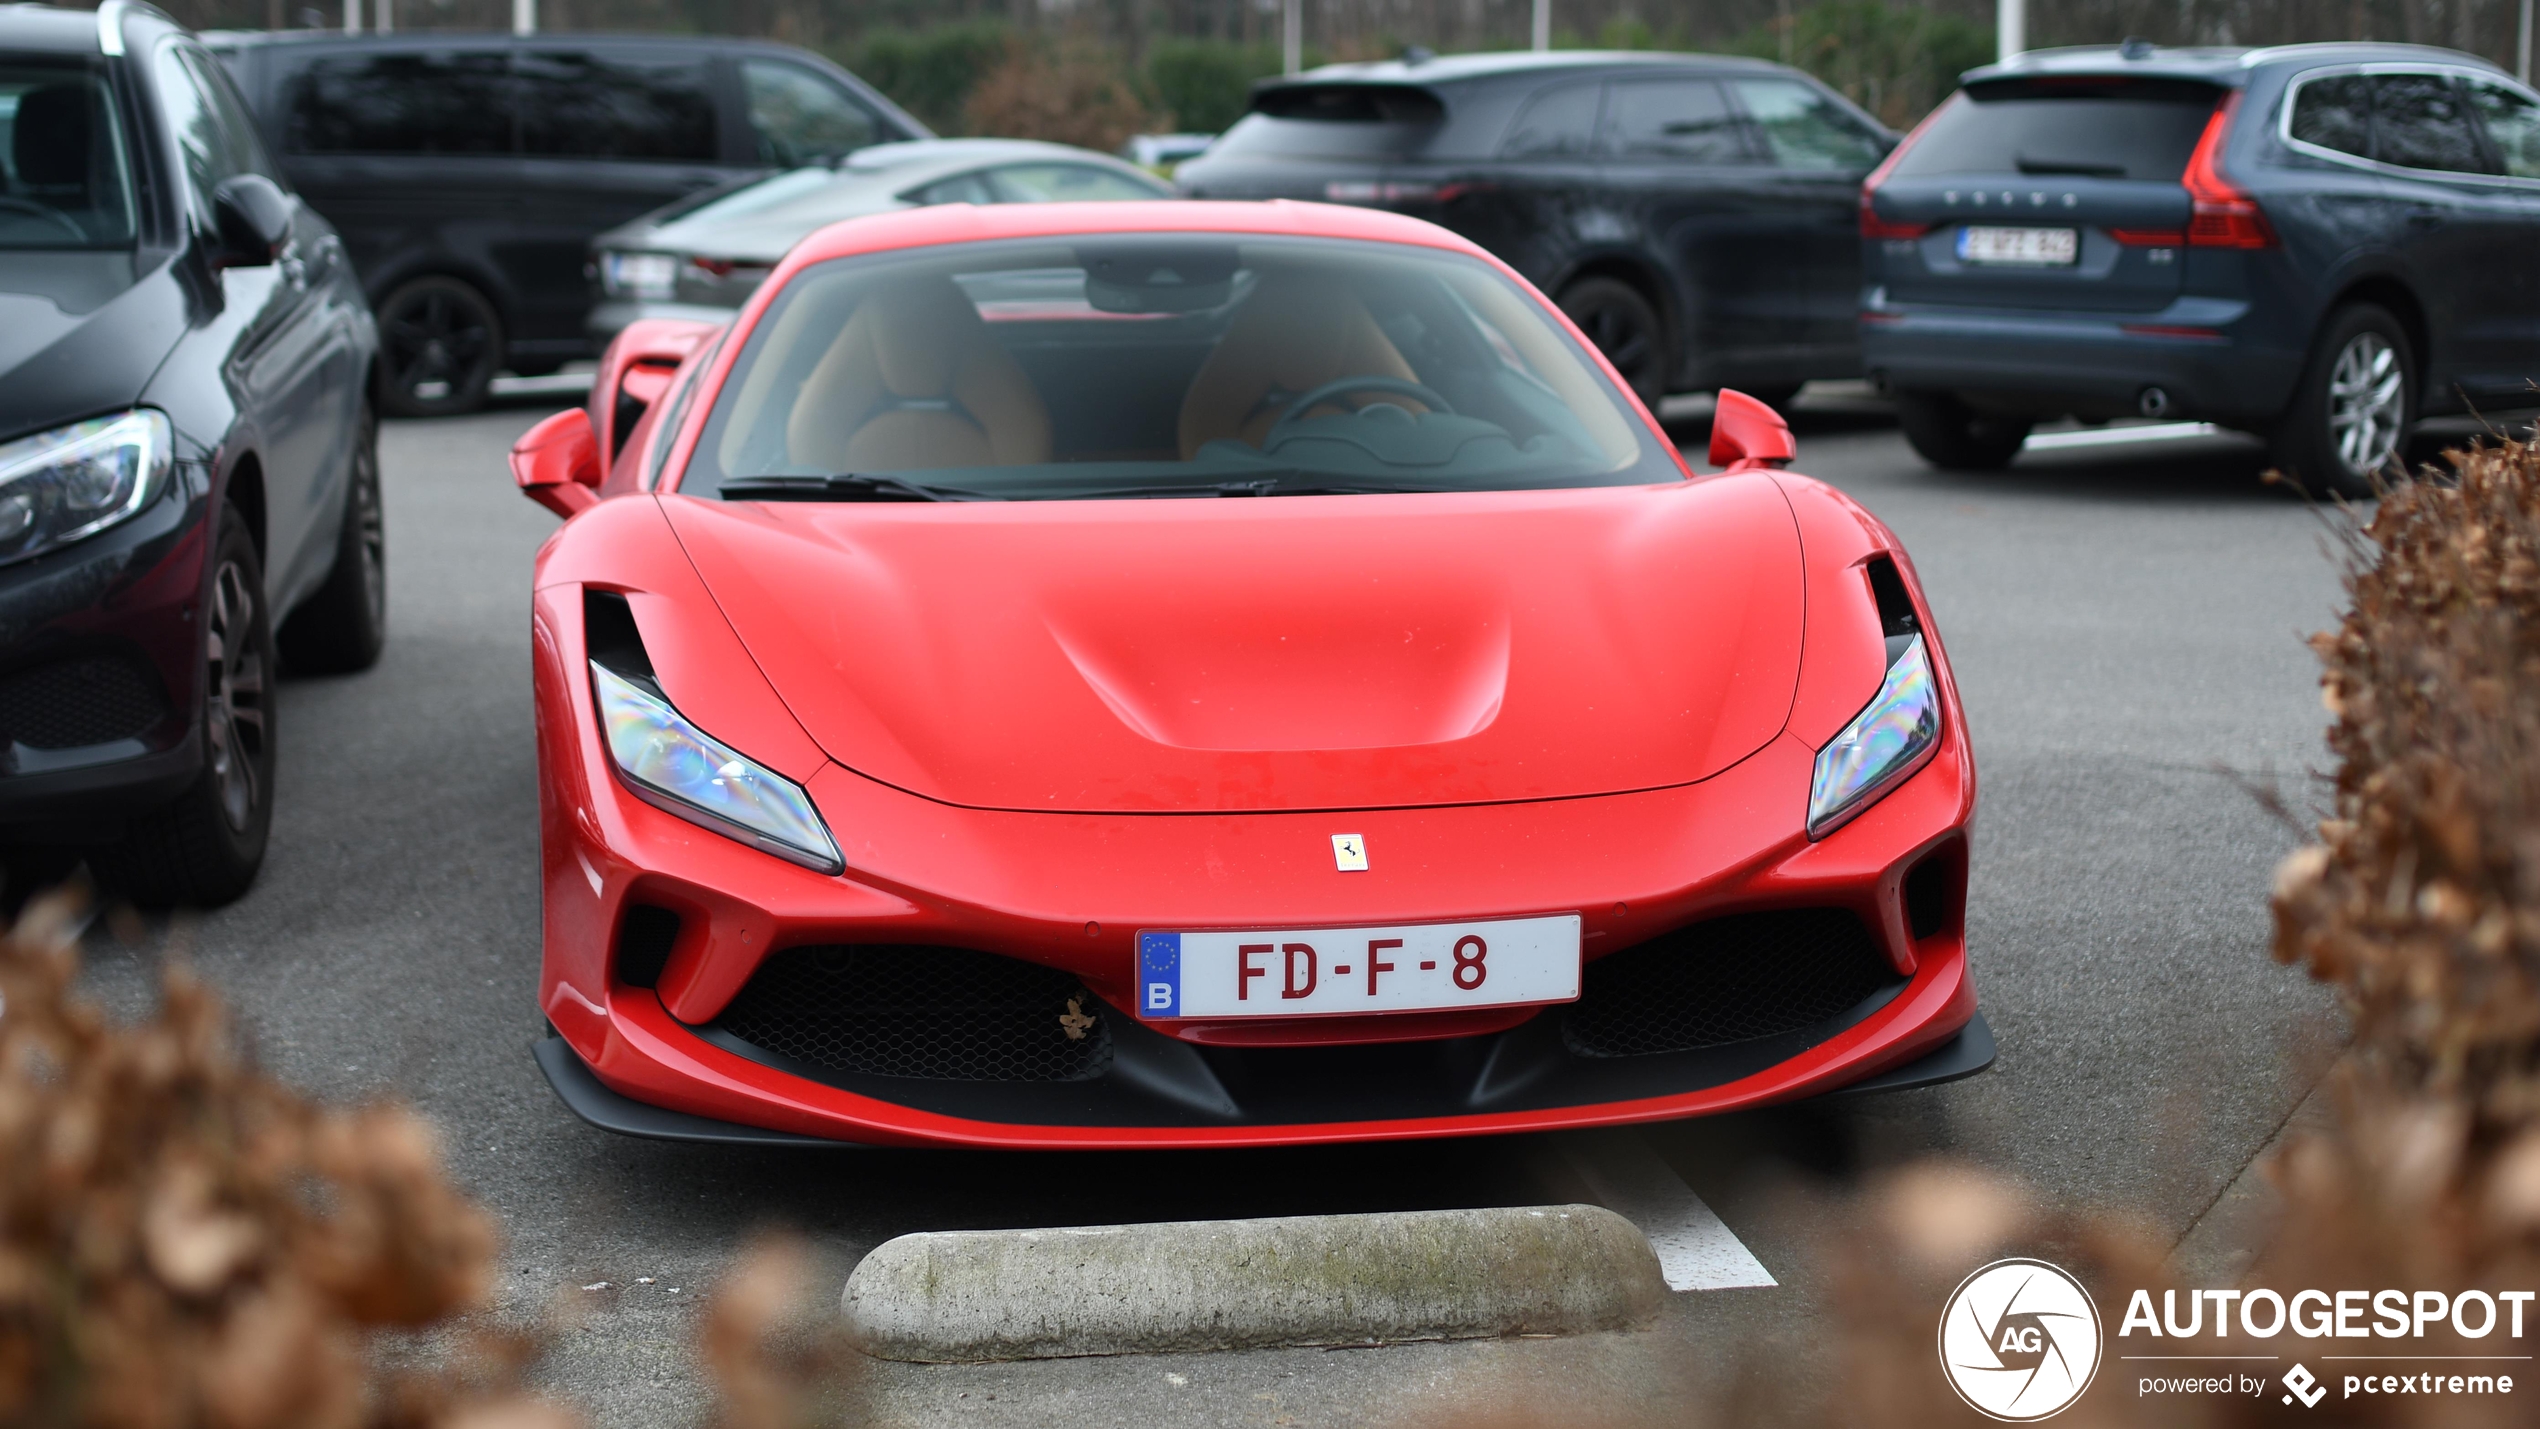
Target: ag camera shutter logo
2019,1340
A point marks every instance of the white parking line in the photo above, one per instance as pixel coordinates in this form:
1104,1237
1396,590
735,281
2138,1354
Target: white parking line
1696,1249
2119,436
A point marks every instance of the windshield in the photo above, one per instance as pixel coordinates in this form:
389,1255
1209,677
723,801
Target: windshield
63,179
1162,365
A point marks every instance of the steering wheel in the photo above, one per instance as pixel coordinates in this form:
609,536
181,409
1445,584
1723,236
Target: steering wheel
1369,382
45,212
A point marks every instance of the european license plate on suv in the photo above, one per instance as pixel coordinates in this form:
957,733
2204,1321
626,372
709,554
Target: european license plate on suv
1320,972
2020,247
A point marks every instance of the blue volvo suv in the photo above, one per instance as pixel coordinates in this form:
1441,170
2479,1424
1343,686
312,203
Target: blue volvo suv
2315,243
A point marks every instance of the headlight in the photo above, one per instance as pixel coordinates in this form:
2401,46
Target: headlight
680,769
1880,744
652,277
73,481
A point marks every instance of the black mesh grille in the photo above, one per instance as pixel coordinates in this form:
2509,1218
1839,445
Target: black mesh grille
94,699
1729,980
952,1014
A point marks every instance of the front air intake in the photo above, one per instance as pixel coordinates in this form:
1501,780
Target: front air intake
952,1014
1730,980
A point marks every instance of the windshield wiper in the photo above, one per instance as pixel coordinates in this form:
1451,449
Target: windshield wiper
841,486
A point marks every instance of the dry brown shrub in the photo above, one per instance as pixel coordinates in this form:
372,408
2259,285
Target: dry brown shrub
2421,901
185,1241
1067,92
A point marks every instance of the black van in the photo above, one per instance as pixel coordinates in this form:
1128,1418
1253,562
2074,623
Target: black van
468,173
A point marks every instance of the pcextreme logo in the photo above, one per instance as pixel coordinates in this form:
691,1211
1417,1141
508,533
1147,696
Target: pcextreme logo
2019,1340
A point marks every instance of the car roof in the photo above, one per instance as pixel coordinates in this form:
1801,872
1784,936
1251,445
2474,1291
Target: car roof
967,223
484,39
2227,65
909,157
1451,69
48,29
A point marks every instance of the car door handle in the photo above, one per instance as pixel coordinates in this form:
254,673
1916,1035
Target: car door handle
2425,218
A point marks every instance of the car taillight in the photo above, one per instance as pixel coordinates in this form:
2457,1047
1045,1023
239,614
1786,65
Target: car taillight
1873,226
2225,216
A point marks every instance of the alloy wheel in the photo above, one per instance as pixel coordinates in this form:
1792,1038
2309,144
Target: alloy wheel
435,345
2367,403
1619,334
372,524
237,694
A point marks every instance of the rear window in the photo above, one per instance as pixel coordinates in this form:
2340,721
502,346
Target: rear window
2088,129
1338,121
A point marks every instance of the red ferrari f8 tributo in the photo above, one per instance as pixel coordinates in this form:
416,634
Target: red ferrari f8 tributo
1186,674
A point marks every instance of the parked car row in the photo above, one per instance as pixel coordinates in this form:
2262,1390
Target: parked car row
2315,243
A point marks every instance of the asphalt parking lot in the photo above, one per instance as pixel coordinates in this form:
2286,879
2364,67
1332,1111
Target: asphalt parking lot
2125,619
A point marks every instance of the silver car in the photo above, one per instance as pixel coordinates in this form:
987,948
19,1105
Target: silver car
704,256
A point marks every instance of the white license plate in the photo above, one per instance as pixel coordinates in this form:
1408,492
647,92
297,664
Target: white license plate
1417,967
2025,247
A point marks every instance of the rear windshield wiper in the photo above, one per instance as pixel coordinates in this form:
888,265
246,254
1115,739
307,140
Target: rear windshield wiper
842,486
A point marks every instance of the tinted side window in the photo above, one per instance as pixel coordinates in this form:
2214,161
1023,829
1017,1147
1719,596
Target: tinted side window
238,127
2512,119
1066,183
797,116
1556,123
1677,121
2335,113
615,106
1804,128
415,102
969,188
2421,123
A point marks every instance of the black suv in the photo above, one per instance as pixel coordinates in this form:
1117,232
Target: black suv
2317,243
186,457
469,173
1694,214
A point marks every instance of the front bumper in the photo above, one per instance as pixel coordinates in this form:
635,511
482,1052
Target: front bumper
1070,891
100,675
2090,364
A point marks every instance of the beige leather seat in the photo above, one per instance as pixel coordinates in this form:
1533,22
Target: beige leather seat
1297,331
914,381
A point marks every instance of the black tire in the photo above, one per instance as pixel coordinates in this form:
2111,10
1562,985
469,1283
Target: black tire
341,628
440,343
204,848
2355,406
1947,433
1626,329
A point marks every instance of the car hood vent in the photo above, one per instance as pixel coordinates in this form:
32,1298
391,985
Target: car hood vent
1305,653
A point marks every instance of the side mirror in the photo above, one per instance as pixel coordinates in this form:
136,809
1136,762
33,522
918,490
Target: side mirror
253,219
1747,435
557,463
635,371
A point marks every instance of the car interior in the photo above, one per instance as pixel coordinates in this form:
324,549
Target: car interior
1134,366
60,183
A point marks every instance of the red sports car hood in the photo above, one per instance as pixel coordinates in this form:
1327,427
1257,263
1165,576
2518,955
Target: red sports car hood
1281,653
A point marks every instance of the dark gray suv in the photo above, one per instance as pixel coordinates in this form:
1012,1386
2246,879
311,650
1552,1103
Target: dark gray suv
2315,243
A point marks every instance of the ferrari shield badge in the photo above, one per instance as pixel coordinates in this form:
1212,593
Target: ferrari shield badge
1349,853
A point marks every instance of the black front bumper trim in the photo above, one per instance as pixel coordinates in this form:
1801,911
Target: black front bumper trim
1964,1055
585,1096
